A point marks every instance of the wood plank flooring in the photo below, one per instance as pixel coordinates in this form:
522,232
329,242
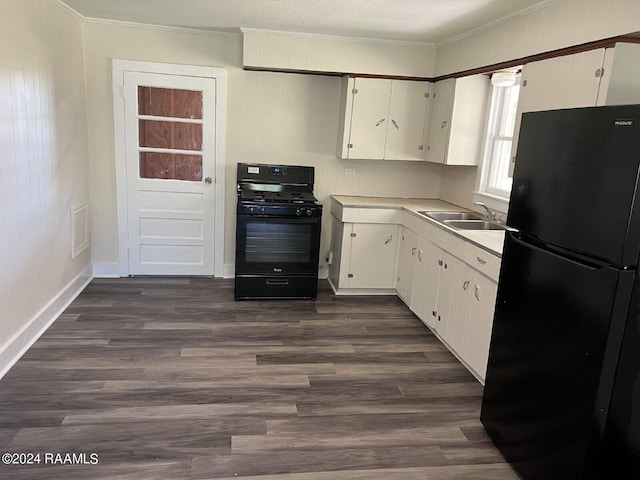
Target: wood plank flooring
170,378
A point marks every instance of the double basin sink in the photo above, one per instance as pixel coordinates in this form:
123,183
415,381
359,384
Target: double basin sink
463,220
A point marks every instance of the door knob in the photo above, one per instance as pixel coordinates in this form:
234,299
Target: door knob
208,180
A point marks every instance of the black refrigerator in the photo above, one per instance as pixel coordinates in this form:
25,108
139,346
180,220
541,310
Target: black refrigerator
562,389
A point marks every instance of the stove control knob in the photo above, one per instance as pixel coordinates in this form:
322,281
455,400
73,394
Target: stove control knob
298,212
251,209
309,212
262,209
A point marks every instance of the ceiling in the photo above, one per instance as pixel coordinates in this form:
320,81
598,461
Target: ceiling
431,21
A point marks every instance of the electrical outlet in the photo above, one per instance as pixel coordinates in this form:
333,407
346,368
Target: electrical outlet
349,171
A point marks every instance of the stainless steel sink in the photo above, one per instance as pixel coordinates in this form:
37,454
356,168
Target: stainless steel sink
443,216
473,225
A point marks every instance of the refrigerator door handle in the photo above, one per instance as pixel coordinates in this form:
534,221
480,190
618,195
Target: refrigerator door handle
588,264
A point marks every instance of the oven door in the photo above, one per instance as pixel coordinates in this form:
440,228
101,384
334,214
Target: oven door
277,246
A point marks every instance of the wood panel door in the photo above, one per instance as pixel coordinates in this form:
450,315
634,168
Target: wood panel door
170,123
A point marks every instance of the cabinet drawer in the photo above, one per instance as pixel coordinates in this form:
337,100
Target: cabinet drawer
371,215
482,261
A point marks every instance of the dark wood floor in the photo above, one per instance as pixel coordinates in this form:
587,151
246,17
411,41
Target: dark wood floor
170,378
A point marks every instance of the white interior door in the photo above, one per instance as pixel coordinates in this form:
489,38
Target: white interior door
170,135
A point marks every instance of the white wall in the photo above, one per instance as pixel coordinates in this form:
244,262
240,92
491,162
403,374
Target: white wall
43,167
272,118
568,23
323,53
293,118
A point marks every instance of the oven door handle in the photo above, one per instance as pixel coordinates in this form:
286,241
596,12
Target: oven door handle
277,282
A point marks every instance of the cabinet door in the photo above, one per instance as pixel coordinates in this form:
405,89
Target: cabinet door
441,120
373,255
427,278
446,296
406,263
449,305
458,314
560,82
619,84
405,131
482,300
369,118
466,130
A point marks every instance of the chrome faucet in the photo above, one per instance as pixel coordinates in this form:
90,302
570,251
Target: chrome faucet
491,215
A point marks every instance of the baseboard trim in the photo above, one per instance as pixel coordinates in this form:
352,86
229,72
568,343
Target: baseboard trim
23,340
106,270
229,270
362,291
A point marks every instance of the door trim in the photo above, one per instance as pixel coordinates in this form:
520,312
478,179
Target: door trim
220,75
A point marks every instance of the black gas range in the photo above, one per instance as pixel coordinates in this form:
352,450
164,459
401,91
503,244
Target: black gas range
278,223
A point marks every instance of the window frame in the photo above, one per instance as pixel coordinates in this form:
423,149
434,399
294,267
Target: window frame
496,112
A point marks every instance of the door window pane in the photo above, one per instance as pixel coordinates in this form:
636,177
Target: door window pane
174,135
168,102
171,166
161,139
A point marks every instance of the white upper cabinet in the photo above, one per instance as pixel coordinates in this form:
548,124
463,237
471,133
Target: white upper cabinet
458,122
559,82
383,119
586,79
408,116
619,83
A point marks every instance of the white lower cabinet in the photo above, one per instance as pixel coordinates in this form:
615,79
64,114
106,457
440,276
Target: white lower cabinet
425,281
366,256
481,302
456,300
450,284
451,307
406,264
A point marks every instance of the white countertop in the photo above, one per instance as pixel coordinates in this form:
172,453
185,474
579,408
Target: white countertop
490,240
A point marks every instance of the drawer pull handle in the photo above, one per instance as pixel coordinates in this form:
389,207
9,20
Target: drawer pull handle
389,238
277,282
476,292
465,285
481,260
380,122
413,250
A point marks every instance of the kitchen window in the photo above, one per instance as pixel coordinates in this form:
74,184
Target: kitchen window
495,182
